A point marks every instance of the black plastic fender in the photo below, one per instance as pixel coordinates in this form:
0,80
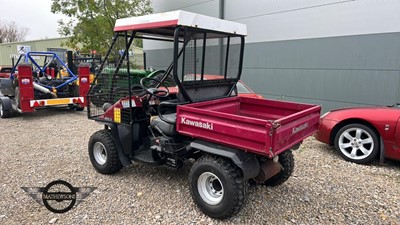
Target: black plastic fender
382,152
247,162
121,153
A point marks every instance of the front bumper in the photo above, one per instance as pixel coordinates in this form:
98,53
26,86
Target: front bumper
324,130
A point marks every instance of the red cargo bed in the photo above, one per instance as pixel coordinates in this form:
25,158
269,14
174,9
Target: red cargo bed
262,126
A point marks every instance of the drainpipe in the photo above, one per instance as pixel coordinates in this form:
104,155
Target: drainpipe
220,41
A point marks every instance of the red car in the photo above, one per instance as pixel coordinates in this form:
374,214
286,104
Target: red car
5,71
242,89
362,134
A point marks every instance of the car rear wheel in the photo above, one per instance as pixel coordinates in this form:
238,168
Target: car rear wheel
357,143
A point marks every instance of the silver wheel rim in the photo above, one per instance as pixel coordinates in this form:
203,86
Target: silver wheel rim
1,109
210,188
99,153
356,143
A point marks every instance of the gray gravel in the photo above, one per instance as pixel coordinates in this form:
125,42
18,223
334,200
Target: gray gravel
38,148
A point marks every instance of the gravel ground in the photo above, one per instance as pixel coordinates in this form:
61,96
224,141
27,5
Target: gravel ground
51,144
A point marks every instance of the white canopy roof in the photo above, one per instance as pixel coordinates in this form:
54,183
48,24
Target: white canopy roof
179,17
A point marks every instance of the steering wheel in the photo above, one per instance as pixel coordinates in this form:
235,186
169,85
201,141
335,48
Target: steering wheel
155,73
145,82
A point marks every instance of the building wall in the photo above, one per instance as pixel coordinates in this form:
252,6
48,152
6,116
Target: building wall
7,50
333,53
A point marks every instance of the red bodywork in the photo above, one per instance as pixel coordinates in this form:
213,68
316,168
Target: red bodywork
5,71
28,103
261,126
385,120
25,80
84,83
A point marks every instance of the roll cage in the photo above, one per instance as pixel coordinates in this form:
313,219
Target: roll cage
196,51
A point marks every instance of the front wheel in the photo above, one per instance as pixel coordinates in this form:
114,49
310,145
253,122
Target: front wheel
217,186
357,143
103,152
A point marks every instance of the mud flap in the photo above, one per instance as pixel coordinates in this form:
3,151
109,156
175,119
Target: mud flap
247,162
122,156
382,152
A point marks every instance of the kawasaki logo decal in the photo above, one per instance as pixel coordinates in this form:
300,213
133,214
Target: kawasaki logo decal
204,125
299,128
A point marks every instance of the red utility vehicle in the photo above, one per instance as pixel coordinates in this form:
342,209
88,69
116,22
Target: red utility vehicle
231,139
362,134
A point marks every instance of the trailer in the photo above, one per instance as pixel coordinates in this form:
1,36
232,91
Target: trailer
33,84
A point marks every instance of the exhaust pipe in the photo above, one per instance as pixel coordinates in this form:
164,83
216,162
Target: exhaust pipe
268,169
44,90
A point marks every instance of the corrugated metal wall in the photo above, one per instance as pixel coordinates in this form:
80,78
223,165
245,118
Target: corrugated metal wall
9,49
334,72
334,53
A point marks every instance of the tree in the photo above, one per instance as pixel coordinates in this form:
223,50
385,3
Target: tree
10,32
92,21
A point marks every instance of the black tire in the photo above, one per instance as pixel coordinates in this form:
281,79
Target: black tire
103,152
357,143
96,95
79,108
4,111
286,159
71,106
75,107
217,186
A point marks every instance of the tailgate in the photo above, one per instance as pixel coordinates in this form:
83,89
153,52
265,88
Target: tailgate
292,129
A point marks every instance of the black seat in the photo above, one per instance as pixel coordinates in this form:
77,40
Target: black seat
162,126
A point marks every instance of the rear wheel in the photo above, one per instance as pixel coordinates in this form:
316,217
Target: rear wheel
79,108
103,152
217,186
357,143
76,107
286,159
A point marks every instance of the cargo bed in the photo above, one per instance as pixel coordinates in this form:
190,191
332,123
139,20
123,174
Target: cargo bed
262,126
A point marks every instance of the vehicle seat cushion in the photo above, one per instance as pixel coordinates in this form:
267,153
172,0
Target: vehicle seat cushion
166,128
